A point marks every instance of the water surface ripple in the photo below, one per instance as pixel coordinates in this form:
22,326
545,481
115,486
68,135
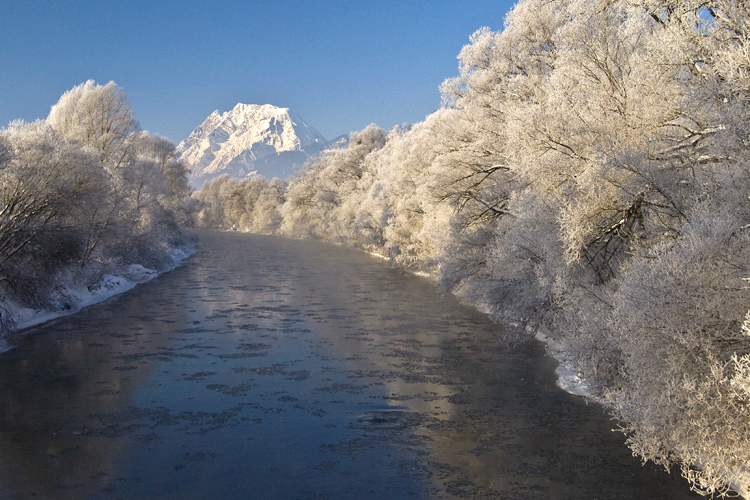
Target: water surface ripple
268,368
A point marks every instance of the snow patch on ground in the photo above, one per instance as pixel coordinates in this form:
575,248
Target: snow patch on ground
377,254
568,378
73,299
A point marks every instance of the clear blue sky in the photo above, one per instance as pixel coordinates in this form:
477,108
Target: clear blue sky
340,65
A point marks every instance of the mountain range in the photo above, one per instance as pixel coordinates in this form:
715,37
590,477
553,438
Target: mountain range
251,139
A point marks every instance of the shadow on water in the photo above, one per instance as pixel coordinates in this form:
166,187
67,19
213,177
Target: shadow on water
270,368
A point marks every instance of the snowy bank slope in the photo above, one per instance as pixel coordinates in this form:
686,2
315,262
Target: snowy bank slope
76,298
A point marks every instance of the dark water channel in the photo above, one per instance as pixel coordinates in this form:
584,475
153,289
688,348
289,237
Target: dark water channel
275,369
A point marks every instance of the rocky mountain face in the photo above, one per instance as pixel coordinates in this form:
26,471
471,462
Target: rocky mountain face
250,139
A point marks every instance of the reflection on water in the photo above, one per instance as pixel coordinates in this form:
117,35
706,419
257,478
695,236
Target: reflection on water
270,368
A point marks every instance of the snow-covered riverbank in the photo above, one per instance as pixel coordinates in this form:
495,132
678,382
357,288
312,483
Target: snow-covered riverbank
74,298
568,378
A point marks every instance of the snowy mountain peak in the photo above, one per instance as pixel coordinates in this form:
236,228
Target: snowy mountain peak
249,138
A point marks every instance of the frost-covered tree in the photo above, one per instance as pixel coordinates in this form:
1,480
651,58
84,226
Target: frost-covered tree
635,143
101,117
398,215
49,187
173,172
317,201
211,199
679,324
266,217
146,203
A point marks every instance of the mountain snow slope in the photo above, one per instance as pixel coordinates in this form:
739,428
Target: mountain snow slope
250,138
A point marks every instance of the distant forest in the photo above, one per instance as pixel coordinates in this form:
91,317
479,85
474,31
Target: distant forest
587,176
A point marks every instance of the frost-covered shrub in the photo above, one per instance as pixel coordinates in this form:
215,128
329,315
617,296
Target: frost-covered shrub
680,324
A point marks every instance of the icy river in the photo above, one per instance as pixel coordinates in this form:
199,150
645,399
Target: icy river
267,368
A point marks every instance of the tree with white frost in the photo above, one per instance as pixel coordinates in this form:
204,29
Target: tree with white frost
48,190
316,201
101,117
144,206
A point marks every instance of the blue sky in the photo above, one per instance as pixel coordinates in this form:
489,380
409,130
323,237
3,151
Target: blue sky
340,65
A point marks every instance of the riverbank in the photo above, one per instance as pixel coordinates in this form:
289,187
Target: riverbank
569,379
74,298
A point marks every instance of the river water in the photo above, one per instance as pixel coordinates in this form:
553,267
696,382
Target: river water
267,368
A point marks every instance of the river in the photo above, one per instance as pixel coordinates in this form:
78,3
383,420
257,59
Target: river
267,368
